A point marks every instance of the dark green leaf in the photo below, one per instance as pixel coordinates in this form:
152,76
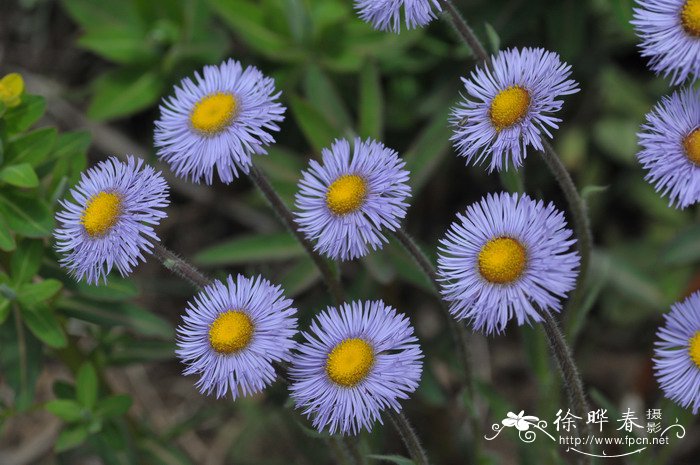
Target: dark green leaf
684,249
21,175
70,144
71,437
371,103
26,215
396,459
86,385
20,361
323,96
42,322
300,277
124,92
115,290
67,410
35,293
117,44
32,147
26,261
494,39
5,307
428,150
113,406
7,239
319,133
252,248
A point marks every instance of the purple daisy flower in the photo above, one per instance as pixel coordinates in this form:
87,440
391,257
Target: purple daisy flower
232,334
386,14
509,106
506,258
670,33
677,354
670,141
110,221
356,361
346,203
218,122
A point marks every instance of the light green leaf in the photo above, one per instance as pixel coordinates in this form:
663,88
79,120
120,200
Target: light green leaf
35,293
322,95
115,290
67,410
300,277
251,248
26,215
588,191
23,116
43,324
71,437
21,175
371,102
86,385
428,150
20,362
32,147
70,144
318,132
494,39
117,44
124,92
5,307
7,239
684,249
113,406
26,261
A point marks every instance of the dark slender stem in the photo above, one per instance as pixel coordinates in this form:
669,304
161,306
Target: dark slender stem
409,437
287,218
577,207
565,360
180,267
465,32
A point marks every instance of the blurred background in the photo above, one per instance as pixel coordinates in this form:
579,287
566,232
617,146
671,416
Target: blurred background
95,73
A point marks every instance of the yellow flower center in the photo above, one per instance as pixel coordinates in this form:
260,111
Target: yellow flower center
691,144
695,349
101,213
690,17
502,260
509,106
346,194
350,362
213,113
231,332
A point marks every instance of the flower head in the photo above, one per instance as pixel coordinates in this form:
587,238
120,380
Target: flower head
386,14
509,106
233,332
670,33
670,141
11,89
677,354
506,258
218,121
110,221
356,361
345,203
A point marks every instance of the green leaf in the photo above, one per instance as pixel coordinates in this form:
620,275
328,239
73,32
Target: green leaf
115,290
86,385
113,406
428,150
117,44
494,39
7,240
21,175
5,307
300,277
26,215
20,362
124,92
396,459
23,116
684,249
70,144
117,314
617,138
316,128
26,261
323,96
71,437
588,191
251,248
371,102
32,147
512,180
67,410
35,293
42,322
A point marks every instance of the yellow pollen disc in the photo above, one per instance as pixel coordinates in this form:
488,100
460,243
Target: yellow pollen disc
101,213
213,113
690,17
502,260
346,194
695,349
691,144
231,332
349,362
509,106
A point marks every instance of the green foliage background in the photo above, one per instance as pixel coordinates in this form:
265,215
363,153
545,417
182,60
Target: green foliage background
107,64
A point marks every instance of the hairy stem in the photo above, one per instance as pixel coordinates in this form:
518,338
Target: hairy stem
287,218
180,267
465,32
409,437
